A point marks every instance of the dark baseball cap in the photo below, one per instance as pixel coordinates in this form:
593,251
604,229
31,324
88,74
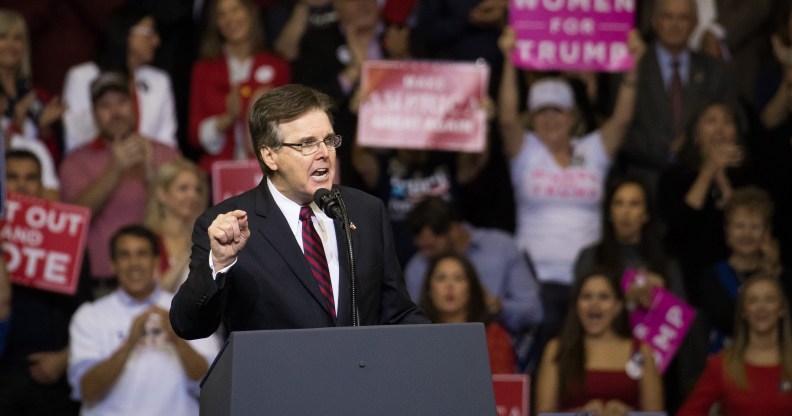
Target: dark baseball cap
109,81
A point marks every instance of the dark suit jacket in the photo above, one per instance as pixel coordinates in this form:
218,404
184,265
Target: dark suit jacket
651,133
271,285
749,25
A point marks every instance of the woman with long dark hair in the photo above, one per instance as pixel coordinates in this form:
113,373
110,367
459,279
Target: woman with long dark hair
712,162
630,238
129,44
595,365
452,293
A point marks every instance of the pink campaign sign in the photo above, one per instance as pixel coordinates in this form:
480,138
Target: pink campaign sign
423,105
582,35
233,177
664,325
44,242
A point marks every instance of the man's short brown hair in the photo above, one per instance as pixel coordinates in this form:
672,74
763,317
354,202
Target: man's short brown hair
282,105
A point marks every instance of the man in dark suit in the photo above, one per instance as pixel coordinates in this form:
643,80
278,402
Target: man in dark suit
248,267
655,131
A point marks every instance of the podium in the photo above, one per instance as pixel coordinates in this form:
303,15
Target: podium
393,370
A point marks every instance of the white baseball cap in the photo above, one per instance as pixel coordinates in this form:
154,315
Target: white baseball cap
550,92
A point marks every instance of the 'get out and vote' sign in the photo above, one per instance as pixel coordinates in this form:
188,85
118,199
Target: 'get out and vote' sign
43,242
572,34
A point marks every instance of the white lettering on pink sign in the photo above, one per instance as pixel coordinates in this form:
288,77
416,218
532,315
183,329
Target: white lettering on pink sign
664,325
572,34
43,242
423,105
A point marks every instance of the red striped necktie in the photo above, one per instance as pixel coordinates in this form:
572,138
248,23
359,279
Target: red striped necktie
315,255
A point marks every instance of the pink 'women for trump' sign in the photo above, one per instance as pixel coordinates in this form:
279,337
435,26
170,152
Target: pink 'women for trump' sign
572,34
423,105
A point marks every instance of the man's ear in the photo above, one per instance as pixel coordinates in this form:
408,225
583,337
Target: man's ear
269,157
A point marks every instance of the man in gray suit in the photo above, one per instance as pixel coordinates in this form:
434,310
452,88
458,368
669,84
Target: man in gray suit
655,134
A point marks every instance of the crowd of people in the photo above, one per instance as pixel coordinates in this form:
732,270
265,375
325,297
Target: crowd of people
679,168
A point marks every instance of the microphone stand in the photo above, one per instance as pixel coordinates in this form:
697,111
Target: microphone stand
350,257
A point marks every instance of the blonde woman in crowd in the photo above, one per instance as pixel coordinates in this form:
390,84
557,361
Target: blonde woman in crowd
754,375
27,113
179,193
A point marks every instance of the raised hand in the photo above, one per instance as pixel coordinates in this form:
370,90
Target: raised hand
51,112
594,407
770,254
137,329
726,155
636,44
130,151
641,290
233,103
616,408
507,40
47,367
164,321
22,108
228,235
397,42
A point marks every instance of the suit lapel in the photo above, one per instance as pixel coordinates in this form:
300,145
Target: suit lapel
695,87
275,229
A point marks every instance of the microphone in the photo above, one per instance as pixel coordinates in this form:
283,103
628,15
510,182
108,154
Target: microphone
329,202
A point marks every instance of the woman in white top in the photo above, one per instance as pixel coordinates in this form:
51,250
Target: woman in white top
130,41
558,178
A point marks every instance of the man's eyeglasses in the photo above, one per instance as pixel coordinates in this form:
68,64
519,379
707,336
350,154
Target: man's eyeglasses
311,146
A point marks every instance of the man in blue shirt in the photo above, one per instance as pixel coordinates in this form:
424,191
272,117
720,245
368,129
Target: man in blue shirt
512,290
